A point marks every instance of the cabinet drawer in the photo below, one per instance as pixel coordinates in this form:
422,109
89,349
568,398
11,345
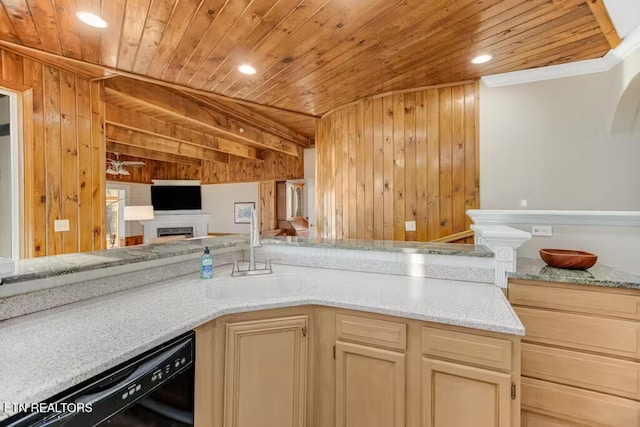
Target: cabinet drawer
599,373
599,335
576,300
372,331
582,407
484,351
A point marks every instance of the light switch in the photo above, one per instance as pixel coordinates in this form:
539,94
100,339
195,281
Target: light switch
61,225
410,226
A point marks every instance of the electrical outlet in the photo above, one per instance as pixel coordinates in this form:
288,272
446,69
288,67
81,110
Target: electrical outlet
524,203
60,225
542,230
409,226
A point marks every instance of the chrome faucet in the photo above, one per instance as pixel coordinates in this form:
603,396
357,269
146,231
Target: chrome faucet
254,239
254,242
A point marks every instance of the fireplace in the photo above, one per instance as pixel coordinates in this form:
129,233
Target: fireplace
175,231
189,225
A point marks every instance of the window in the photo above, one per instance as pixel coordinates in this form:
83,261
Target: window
115,200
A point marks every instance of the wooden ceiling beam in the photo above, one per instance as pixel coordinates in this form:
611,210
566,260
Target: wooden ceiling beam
599,10
75,66
170,102
152,142
142,123
94,71
144,153
245,114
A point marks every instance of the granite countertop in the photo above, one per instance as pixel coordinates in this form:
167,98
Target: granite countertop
598,275
50,266
58,265
47,352
383,245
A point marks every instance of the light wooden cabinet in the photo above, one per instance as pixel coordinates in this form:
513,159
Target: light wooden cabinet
456,395
370,386
580,355
324,367
534,419
265,373
575,405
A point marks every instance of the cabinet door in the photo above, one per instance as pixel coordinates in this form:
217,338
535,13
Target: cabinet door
455,395
370,386
266,373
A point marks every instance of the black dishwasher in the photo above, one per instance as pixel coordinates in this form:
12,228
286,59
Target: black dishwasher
154,389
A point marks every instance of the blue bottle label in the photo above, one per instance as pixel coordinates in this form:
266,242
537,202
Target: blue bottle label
207,269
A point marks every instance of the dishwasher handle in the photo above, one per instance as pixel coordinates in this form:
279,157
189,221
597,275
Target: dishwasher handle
141,371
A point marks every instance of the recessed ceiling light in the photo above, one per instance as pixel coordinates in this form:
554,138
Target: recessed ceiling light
481,59
247,69
92,19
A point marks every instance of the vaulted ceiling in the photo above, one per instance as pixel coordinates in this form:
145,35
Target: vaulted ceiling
312,55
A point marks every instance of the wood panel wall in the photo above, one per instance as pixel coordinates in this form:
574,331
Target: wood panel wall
63,142
267,208
155,169
275,166
409,156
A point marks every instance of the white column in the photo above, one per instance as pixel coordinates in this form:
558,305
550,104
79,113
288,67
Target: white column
503,241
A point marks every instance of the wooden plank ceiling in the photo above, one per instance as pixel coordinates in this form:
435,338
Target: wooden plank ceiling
312,55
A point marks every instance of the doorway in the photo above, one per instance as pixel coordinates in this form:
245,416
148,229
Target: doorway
9,178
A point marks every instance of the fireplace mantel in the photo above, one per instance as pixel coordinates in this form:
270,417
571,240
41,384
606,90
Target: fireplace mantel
199,222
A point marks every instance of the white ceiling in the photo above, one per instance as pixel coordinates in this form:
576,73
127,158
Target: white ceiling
625,15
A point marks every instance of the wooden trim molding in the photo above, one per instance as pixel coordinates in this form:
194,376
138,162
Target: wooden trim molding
13,86
599,10
454,237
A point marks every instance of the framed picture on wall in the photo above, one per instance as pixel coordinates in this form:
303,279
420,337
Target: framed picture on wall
242,212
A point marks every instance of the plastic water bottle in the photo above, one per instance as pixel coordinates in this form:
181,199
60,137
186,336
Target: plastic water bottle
206,264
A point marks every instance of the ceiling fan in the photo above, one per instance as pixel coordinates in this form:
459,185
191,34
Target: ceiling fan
117,167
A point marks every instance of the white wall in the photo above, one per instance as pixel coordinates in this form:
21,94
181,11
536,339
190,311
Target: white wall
309,163
6,223
139,195
551,143
218,200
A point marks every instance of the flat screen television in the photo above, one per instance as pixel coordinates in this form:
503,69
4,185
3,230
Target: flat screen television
176,197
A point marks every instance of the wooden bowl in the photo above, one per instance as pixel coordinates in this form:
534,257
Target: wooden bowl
571,260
